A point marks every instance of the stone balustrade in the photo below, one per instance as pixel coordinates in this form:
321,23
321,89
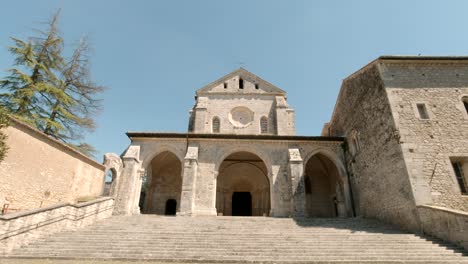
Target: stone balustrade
444,223
22,228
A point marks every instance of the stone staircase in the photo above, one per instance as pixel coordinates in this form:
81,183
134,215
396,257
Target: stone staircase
243,240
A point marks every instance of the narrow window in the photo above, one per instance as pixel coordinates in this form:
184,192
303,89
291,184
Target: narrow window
256,86
465,103
263,125
422,111
225,85
216,125
241,83
457,168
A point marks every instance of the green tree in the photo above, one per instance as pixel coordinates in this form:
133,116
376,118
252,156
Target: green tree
74,100
3,124
50,91
36,60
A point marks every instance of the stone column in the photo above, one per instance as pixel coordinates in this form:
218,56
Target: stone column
296,169
284,117
127,190
200,125
189,176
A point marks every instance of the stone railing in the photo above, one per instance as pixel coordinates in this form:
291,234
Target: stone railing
22,228
444,223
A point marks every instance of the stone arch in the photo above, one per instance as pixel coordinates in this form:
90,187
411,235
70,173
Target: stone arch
146,158
261,155
110,177
329,190
333,158
163,182
113,163
242,185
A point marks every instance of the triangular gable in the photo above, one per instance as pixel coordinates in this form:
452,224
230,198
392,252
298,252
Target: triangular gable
250,79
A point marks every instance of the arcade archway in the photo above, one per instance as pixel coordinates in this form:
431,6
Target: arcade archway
323,189
161,193
243,188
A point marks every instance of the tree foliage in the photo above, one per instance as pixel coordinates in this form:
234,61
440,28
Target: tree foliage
53,92
3,124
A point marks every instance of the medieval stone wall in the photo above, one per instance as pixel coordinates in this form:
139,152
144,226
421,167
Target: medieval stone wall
429,144
222,107
374,158
212,152
39,171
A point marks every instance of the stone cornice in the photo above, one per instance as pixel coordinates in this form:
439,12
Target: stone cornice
133,135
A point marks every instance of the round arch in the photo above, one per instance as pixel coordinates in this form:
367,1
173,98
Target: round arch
332,156
264,157
328,192
163,182
242,185
148,157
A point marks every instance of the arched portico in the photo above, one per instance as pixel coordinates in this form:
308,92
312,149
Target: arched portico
243,187
163,184
326,187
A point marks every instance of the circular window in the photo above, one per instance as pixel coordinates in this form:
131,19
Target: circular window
241,116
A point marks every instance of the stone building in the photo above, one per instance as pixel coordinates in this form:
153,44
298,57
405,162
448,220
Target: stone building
406,121
396,149
240,157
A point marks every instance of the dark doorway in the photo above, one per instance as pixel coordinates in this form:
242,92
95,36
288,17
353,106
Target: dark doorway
141,203
171,206
241,204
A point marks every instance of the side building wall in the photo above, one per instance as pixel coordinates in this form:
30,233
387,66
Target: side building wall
379,177
39,171
429,145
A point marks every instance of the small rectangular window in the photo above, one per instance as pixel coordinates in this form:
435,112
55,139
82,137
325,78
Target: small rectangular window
422,111
457,168
241,84
256,86
225,85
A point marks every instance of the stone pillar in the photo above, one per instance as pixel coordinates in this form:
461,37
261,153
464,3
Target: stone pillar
284,117
128,191
200,122
113,162
189,177
296,169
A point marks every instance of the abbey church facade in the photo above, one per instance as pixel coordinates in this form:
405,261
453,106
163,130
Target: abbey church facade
396,149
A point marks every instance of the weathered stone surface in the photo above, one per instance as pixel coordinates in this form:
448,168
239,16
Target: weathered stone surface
22,228
240,109
406,123
378,172
244,240
39,171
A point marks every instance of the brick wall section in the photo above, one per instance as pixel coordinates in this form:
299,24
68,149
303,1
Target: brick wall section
429,144
39,171
378,173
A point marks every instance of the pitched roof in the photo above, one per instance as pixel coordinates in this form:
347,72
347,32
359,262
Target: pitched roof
265,86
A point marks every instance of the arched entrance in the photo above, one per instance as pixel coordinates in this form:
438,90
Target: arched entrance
163,186
243,188
323,188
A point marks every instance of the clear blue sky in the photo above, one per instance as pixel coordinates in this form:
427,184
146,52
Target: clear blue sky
153,55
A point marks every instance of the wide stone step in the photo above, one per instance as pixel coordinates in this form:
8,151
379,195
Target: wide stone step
286,244
243,240
262,259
